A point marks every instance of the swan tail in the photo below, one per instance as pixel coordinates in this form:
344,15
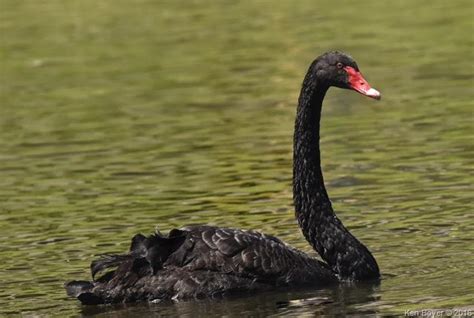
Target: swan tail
146,256
115,276
76,287
82,290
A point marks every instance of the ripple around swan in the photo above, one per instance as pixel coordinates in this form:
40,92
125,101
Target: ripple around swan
181,116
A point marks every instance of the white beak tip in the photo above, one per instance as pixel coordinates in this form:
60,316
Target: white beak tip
374,94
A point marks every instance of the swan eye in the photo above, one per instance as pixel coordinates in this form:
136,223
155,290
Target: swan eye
339,65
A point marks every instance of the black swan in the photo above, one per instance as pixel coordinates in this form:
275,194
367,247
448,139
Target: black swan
206,261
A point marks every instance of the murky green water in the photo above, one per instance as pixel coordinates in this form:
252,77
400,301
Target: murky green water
119,116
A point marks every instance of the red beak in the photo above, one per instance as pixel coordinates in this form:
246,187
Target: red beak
358,83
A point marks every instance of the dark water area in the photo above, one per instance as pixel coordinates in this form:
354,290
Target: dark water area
119,117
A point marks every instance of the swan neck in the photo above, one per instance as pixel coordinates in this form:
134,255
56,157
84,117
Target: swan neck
347,257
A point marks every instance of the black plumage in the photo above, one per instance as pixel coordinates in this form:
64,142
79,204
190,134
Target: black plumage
206,261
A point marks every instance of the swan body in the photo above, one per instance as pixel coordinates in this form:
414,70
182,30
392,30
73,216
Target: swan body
206,261
200,261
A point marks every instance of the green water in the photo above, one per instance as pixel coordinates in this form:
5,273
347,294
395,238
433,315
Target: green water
119,116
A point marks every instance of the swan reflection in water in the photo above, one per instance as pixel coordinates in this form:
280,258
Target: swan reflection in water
344,299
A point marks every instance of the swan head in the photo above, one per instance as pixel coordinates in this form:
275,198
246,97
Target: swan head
340,70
